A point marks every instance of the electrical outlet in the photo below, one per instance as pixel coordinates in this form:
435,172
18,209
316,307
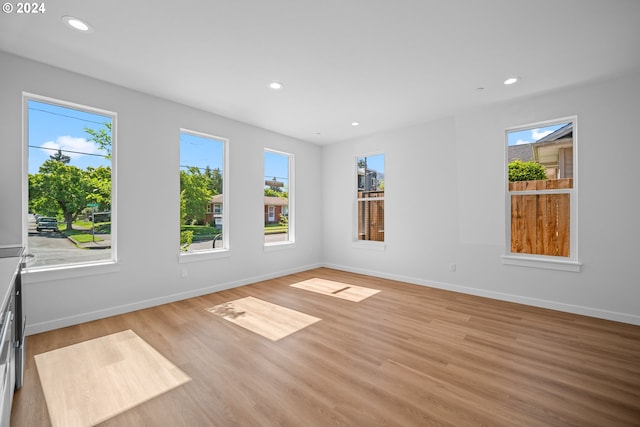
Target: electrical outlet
184,273
452,267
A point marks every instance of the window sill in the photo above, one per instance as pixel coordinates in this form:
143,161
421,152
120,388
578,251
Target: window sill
550,263
187,257
44,274
370,245
280,246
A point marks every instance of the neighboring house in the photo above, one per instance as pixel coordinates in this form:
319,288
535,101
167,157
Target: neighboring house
214,211
554,152
273,207
368,179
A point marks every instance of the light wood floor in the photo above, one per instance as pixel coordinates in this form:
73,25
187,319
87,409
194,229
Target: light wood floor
407,356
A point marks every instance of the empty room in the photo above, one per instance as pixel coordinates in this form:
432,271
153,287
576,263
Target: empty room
296,213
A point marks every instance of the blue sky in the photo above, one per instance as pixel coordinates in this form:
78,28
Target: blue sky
375,162
531,135
52,127
200,151
276,166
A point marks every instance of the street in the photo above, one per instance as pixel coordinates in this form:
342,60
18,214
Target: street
53,248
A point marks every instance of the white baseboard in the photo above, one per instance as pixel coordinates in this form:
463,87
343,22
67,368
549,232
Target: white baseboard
535,302
138,305
49,325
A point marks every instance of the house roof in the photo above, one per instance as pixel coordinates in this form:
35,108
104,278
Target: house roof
522,152
275,201
543,149
565,131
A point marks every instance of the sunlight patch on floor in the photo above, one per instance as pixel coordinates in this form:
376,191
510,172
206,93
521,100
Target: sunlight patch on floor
264,318
87,383
336,289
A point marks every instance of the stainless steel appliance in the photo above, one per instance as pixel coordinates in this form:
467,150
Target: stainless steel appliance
7,360
12,338
11,261
20,325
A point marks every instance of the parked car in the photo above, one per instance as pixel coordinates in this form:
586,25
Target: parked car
46,223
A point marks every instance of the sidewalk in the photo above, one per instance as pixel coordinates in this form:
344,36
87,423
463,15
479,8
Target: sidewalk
103,241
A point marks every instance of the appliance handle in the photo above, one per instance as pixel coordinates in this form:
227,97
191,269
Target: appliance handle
6,326
6,347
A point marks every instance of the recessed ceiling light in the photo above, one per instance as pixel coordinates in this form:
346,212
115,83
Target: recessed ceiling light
355,123
276,85
77,24
511,80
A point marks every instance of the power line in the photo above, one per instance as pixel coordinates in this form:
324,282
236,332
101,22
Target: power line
68,151
65,115
199,168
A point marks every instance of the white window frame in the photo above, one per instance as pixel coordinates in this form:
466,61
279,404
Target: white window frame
224,251
290,242
80,269
570,263
356,242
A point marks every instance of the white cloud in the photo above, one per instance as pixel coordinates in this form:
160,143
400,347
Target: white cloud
522,141
72,147
536,134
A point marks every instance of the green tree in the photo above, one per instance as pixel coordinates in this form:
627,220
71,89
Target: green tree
194,191
59,157
101,137
215,177
59,188
268,191
99,187
526,171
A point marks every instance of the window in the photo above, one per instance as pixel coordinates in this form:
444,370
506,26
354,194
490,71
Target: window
541,192
370,197
203,224
70,204
278,196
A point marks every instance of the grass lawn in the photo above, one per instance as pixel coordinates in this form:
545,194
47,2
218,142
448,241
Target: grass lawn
82,231
82,236
204,232
275,229
201,232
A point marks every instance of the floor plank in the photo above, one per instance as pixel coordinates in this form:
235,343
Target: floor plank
408,355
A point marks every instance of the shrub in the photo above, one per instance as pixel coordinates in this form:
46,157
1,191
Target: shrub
526,171
284,221
186,238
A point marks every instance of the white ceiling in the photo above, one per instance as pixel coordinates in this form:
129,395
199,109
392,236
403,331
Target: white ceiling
383,63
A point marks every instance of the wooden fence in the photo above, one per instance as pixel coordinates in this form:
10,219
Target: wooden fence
540,222
371,216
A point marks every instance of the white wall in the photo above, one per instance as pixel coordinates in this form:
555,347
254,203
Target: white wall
444,203
147,159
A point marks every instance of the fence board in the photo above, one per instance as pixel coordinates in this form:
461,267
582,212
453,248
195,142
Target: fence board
540,222
371,216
